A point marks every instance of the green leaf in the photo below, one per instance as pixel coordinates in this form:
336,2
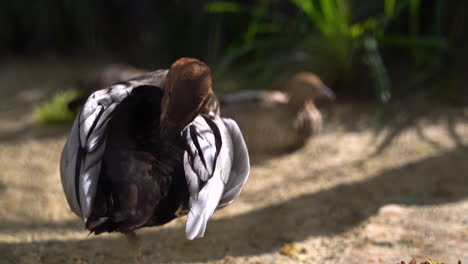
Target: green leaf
432,261
390,7
56,109
329,9
307,6
379,71
223,7
414,16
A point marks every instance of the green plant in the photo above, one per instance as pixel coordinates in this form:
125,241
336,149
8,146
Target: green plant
326,31
325,27
56,110
247,41
333,20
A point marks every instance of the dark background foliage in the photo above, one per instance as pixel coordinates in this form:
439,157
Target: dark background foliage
363,49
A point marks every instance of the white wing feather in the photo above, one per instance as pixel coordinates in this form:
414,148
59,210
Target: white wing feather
240,165
227,178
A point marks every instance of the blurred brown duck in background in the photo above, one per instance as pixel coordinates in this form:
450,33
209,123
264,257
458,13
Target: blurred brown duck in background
101,78
275,122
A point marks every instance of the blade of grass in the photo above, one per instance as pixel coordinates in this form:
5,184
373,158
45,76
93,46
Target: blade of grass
390,7
56,109
378,69
224,7
414,17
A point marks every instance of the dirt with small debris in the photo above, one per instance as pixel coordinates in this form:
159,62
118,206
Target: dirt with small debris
366,190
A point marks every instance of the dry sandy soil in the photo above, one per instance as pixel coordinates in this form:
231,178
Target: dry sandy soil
367,190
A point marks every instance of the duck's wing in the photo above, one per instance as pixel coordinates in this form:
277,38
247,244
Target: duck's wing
80,162
240,168
216,165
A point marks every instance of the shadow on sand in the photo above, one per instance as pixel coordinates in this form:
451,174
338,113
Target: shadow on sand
435,180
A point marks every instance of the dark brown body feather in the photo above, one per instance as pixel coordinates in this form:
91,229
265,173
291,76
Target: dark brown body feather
142,181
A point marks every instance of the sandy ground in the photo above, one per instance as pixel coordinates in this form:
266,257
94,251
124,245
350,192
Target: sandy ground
367,190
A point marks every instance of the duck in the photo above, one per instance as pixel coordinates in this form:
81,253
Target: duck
101,78
148,150
278,121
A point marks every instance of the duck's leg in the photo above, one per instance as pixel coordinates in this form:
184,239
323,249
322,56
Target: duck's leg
134,245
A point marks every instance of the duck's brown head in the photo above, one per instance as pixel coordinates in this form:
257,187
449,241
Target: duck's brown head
187,91
306,86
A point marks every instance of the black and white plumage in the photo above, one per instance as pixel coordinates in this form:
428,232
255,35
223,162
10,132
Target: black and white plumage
81,157
213,177
142,151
